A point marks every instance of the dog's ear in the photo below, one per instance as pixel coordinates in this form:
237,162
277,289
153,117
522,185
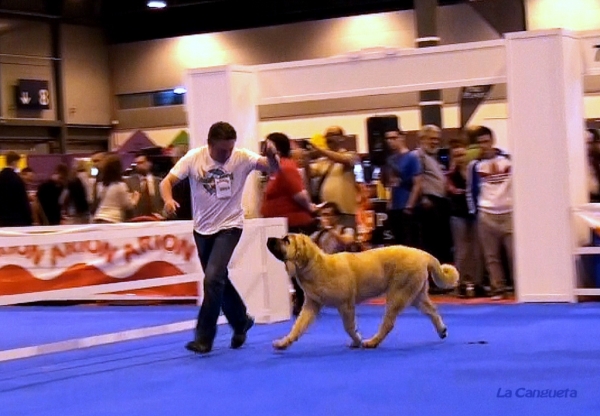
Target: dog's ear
302,254
290,246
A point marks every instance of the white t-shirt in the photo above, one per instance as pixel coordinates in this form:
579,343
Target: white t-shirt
495,189
216,188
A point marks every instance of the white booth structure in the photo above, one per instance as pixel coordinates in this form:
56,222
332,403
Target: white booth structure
544,72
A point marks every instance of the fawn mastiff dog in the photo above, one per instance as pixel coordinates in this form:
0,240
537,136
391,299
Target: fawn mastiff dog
344,279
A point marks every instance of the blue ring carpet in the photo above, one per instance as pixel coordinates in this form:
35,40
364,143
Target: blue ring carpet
492,351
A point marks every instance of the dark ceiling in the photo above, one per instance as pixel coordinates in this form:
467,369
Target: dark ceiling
131,20
184,17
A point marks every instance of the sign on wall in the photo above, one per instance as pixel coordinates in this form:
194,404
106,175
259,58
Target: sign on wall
33,94
470,99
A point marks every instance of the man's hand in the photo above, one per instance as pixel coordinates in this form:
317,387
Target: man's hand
171,206
135,197
269,163
426,203
270,150
395,180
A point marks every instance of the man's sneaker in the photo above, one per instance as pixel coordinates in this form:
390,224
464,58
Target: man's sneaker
198,347
239,338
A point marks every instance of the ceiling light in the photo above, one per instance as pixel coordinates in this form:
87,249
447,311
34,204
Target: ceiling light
156,4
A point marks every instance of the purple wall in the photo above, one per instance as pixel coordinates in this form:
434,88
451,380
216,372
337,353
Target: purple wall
44,165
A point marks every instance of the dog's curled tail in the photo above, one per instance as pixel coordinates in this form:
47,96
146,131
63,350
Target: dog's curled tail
445,276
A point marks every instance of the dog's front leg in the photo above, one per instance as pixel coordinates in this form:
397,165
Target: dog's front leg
348,314
308,314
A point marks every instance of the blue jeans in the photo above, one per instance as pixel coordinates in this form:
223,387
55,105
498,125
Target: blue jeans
215,251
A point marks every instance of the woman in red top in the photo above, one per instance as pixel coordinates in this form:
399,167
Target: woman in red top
286,196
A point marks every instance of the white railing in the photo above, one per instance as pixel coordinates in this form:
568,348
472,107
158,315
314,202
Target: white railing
590,213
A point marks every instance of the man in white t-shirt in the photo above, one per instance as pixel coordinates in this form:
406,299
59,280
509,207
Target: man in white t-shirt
217,173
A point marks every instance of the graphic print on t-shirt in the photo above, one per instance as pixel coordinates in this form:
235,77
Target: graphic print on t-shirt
208,180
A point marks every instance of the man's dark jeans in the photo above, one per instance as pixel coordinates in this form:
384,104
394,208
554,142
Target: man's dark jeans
215,251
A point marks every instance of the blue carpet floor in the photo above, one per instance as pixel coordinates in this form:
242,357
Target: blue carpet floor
491,350
52,324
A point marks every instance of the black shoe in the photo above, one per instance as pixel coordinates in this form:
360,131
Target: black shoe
239,338
480,292
198,347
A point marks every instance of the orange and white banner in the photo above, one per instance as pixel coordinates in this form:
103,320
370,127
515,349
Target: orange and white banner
81,262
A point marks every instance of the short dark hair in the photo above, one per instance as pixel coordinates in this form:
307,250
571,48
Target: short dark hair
595,135
455,142
484,131
281,142
332,206
27,170
221,131
12,157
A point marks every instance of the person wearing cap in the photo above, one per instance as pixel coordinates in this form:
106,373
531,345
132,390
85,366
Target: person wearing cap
336,173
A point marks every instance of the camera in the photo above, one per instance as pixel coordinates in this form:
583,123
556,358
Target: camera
305,144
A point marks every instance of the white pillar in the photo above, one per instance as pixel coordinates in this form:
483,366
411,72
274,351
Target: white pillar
545,129
225,93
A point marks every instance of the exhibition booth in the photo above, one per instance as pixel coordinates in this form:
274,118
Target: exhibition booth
544,72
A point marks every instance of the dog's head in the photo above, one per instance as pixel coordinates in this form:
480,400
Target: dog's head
295,248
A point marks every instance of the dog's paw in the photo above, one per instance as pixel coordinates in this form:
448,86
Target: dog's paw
370,343
355,344
281,344
443,333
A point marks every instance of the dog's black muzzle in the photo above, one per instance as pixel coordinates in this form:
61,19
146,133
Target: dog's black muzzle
274,246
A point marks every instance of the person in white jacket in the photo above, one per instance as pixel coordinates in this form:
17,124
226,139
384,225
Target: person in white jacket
489,196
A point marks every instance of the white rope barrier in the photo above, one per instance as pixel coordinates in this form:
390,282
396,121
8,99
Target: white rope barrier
94,341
